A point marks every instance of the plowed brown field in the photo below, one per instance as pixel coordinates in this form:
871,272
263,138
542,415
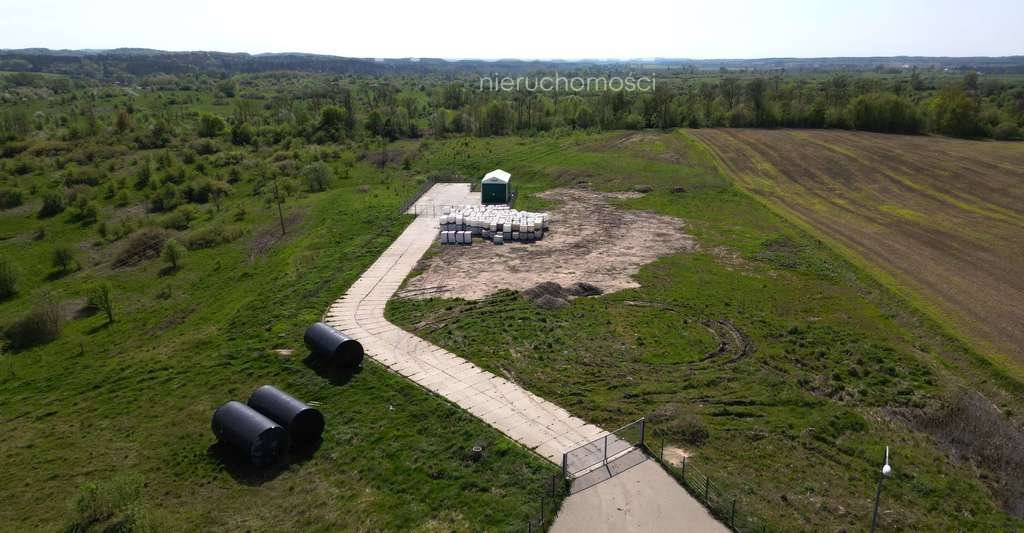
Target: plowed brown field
942,218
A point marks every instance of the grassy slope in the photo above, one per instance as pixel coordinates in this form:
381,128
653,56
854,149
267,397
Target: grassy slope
135,397
796,429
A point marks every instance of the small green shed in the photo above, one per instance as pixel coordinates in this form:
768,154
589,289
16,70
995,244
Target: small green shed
494,188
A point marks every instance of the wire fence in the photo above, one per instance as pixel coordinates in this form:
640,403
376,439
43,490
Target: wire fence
727,508
549,500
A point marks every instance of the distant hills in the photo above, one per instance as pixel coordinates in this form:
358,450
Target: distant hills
129,62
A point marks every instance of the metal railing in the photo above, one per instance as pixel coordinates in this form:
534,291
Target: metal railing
474,185
599,451
723,506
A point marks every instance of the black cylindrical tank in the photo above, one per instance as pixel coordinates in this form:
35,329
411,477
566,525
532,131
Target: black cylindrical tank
257,436
303,423
333,345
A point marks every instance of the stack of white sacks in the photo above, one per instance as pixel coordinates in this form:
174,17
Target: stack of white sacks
496,223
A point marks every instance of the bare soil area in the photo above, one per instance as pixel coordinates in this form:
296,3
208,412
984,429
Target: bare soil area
942,216
589,241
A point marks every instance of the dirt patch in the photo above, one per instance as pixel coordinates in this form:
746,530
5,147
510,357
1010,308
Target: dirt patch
590,241
270,234
674,456
550,295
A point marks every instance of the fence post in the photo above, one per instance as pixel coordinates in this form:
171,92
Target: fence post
606,449
732,515
643,431
707,487
684,470
541,509
663,450
565,465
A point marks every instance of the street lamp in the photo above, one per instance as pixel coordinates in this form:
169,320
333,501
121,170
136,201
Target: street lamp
886,472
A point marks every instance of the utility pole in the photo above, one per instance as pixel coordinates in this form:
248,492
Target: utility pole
886,472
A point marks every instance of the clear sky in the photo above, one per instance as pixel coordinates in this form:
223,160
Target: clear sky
526,28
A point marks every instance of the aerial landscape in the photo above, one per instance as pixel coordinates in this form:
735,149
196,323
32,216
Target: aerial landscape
270,275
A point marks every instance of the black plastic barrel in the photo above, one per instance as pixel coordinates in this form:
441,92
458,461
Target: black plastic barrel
303,423
260,438
334,346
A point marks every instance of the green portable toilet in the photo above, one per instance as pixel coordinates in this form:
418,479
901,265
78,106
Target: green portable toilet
494,187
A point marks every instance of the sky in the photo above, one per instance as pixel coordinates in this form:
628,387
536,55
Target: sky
525,29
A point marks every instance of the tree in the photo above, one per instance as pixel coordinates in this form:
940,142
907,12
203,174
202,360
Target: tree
172,253
884,112
242,133
333,123
210,125
954,113
99,297
63,258
123,122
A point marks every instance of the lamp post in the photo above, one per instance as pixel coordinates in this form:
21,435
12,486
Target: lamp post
886,472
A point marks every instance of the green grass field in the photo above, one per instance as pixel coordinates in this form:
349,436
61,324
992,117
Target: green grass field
108,426
796,429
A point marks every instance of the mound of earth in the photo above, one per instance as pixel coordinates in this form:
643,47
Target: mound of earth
550,295
591,244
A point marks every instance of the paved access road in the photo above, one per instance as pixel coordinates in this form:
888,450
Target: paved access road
651,504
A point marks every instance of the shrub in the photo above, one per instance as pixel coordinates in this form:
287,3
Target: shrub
212,236
180,219
99,298
84,211
63,258
317,176
141,245
173,252
210,125
39,326
53,204
8,279
1006,131
165,198
10,198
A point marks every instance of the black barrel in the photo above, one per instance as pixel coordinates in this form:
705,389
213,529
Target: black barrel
258,436
304,423
333,345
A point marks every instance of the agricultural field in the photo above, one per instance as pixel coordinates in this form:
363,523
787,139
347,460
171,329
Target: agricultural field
107,422
940,219
778,366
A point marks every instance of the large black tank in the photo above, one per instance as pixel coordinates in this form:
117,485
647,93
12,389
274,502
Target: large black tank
257,436
303,423
334,346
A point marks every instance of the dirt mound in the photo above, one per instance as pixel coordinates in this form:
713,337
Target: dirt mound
550,295
591,243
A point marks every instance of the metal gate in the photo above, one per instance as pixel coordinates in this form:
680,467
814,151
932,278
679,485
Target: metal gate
601,450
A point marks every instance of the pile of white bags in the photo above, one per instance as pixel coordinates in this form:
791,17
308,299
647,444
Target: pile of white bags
496,223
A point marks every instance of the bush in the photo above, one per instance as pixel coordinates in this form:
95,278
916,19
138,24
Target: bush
210,125
8,279
53,204
40,326
883,112
172,254
63,258
181,218
141,245
1006,131
212,236
10,198
317,176
165,198
99,298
